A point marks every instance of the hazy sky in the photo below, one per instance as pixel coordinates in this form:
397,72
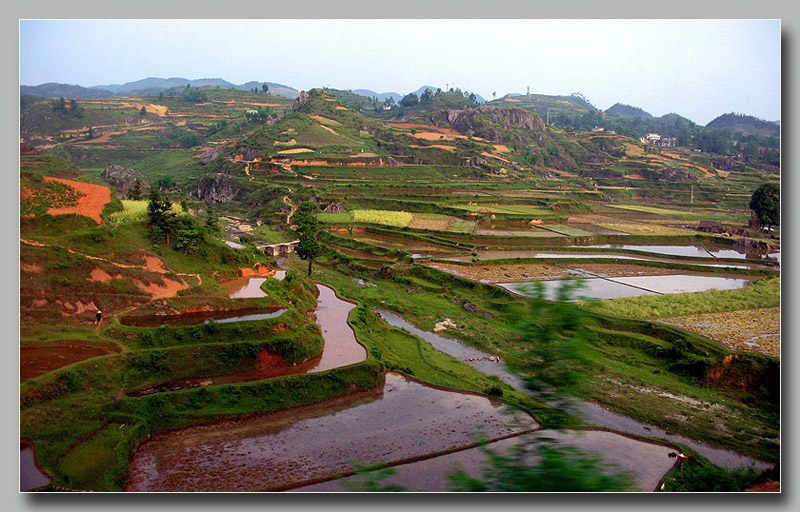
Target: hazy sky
696,68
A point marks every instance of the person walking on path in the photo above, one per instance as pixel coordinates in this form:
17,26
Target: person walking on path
98,317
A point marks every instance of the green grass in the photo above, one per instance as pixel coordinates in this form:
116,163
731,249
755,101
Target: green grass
702,214
765,293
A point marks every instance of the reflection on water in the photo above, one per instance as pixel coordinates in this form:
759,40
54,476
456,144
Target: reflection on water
248,318
615,287
235,245
587,411
199,317
697,251
245,287
648,462
486,256
340,349
404,419
30,476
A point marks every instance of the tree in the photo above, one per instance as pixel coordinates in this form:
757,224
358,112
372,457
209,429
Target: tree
165,182
188,235
143,112
306,226
308,248
542,465
766,204
409,100
426,98
161,219
552,335
265,88
212,220
135,193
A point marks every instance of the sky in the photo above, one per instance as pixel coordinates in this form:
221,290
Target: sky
699,69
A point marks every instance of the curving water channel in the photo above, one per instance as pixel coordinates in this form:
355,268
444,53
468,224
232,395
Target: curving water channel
30,476
340,349
587,411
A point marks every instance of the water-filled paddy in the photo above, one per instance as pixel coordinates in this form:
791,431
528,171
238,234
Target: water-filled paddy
647,462
612,288
697,251
340,349
35,360
588,411
245,287
194,318
30,476
404,419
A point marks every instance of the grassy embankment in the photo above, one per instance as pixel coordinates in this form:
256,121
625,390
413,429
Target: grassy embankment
659,374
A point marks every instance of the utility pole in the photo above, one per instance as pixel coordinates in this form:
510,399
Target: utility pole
691,198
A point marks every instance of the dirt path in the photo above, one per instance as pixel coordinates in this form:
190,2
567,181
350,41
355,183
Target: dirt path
293,207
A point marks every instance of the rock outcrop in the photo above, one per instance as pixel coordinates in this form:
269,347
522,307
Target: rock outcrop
489,122
218,188
298,101
209,155
676,174
121,178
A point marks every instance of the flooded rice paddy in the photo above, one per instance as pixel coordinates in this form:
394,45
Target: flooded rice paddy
587,411
245,287
697,251
646,462
403,420
36,360
340,349
30,476
199,317
612,288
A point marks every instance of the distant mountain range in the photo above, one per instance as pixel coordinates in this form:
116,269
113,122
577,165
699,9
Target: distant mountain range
147,86
152,86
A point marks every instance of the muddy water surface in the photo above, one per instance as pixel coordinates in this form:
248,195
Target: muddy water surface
30,476
341,347
589,412
194,318
37,360
698,251
245,287
403,419
647,462
612,288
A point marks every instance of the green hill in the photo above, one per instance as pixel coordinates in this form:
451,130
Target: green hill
745,124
